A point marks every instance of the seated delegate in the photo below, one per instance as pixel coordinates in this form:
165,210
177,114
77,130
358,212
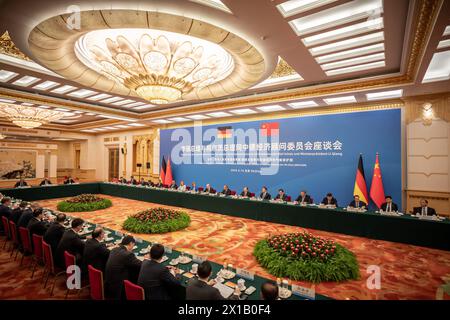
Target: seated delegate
303,198
356,203
246,193
424,209
21,183
226,191
182,186
264,195
329,200
281,196
388,205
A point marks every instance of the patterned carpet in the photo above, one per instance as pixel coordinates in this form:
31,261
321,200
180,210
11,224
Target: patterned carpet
407,272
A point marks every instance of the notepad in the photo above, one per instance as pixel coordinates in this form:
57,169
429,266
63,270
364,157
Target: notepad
225,291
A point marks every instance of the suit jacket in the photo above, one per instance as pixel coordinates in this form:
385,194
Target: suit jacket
53,236
133,182
5,211
121,265
248,194
361,204
20,184
69,181
72,243
16,214
123,180
36,226
95,254
307,199
200,290
332,202
45,182
157,281
226,192
210,190
430,211
25,218
144,183
173,186
266,196
283,197
394,207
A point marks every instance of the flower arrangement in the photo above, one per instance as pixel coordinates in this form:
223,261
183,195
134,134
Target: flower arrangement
303,256
84,202
157,220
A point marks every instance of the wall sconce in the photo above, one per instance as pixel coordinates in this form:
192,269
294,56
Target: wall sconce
427,114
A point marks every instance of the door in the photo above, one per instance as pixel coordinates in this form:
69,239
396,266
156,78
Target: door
113,168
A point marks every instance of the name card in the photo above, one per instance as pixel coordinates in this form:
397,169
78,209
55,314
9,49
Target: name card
197,259
245,274
309,293
168,250
119,234
138,240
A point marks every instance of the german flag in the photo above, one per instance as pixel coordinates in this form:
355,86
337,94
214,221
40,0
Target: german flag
224,132
360,182
162,171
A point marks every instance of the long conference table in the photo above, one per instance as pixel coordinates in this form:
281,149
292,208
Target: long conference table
404,229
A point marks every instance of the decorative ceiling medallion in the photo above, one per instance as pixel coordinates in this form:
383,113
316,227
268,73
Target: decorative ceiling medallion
283,69
8,47
161,57
29,117
159,66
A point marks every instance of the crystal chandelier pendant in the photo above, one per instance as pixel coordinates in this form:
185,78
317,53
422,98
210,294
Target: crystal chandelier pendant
29,117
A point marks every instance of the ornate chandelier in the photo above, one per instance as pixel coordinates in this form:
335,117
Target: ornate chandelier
29,117
159,66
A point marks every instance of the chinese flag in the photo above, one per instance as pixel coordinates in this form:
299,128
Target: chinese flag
270,129
162,172
360,182
168,179
376,189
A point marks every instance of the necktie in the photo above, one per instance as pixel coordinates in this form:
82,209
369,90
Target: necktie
357,204
389,208
423,211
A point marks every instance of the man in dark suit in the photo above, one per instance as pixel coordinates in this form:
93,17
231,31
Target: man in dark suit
21,183
133,181
69,180
71,242
356,203
424,209
96,253
122,180
226,191
17,212
26,216
269,291
5,211
281,196
122,265
143,182
208,189
303,197
173,185
246,193
388,205
159,282
202,288
45,182
36,225
55,232
329,200
264,195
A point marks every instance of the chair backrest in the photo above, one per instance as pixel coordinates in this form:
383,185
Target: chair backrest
133,291
69,260
288,198
200,189
96,283
233,193
165,186
252,194
48,256
13,232
26,239
37,246
5,223
188,188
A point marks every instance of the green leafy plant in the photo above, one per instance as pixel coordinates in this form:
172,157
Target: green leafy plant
157,220
302,256
84,202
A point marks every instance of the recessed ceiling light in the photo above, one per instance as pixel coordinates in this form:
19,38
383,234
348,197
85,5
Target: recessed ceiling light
7,101
217,4
359,67
110,100
303,104
384,95
277,81
62,109
197,117
44,107
64,89
136,104
78,112
351,53
145,106
88,130
90,114
110,128
219,114
115,117
6,75
136,125
271,108
99,129
26,104
293,7
178,119
353,61
82,93
348,43
444,44
342,14
336,34
99,97
340,100
122,126
243,111
162,121
26,81
46,85
439,68
121,103
446,31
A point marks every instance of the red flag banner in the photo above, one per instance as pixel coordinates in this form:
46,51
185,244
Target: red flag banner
360,182
270,129
168,179
377,189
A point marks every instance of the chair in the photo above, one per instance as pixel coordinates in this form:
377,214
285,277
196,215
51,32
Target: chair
188,188
26,242
14,238
200,189
38,256
233,193
49,265
165,186
288,198
133,291
69,260
96,283
252,194
5,223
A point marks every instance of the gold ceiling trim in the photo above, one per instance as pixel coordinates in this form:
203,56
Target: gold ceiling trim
283,69
8,47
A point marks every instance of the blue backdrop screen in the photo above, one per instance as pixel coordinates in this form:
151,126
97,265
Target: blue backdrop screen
317,153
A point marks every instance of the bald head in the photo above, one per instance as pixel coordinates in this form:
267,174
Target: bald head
98,234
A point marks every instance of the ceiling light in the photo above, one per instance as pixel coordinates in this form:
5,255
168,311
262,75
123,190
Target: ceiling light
439,68
7,101
109,128
112,99
178,119
340,100
157,65
136,104
348,43
99,97
121,103
280,80
146,106
217,4
351,53
115,117
29,117
122,126
27,104
2,136
26,81
64,89
384,95
446,31
444,44
78,112
88,130
219,114
62,109
336,34
90,114
293,7
82,93
271,108
162,121
46,85
345,13
353,61
7,75
243,111
197,117
303,104
136,125
43,107
361,67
